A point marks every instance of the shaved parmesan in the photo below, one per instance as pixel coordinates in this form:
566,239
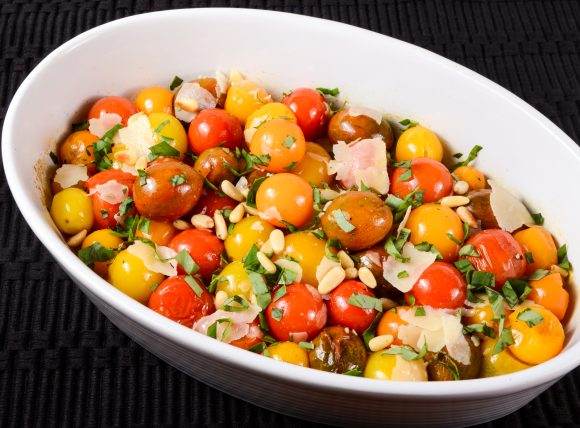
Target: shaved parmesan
361,162
404,220
509,211
410,371
98,127
375,115
133,142
455,341
418,262
68,175
111,191
159,259
222,83
190,99
237,326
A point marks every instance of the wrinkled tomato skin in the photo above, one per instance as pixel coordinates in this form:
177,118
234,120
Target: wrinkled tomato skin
428,175
441,285
499,253
213,128
176,300
310,109
113,104
204,248
210,202
340,312
104,212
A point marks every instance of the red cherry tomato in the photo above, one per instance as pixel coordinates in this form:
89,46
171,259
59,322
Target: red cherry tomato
214,127
176,300
253,337
204,248
298,315
340,312
310,109
427,174
119,105
440,286
104,211
499,253
210,202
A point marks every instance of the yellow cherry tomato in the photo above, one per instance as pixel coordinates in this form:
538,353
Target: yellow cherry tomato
78,148
288,352
155,99
314,166
266,113
538,334
128,273
539,242
234,281
307,250
482,313
72,210
108,239
283,141
251,230
498,364
170,128
381,366
245,97
434,223
418,142
471,176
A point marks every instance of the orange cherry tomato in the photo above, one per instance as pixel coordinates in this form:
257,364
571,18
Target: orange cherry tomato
78,149
212,128
441,285
341,312
104,211
119,105
177,300
539,242
314,165
155,99
550,293
429,175
310,109
499,253
283,141
471,176
299,314
204,248
390,323
160,232
285,198
210,202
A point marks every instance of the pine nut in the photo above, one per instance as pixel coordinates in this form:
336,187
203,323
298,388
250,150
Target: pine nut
454,201
461,187
290,265
221,230
326,205
388,303
232,191
378,343
558,269
466,216
202,221
351,272
345,260
237,213
180,224
220,298
329,194
367,277
266,262
331,280
277,241
251,210
77,239
266,248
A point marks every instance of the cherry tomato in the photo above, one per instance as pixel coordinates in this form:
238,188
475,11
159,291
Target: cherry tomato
297,313
418,142
310,109
108,239
499,253
539,243
288,352
177,300
440,286
104,211
245,97
119,105
204,248
160,232
314,165
471,176
78,149
498,364
282,141
234,281
171,190
348,125
155,99
251,230
482,313
72,211
214,127
381,366
170,127
341,312
128,273
251,339
429,175
216,165
210,202
550,293
264,114
307,250
390,323
285,198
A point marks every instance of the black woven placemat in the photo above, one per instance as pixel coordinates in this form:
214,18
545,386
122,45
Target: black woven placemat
63,363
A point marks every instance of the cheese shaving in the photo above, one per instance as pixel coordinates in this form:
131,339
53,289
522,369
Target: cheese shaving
190,99
222,83
69,175
159,259
418,262
410,371
403,222
510,213
237,326
111,191
98,127
133,142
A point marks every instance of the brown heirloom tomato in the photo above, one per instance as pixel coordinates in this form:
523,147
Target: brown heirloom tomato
441,367
338,349
217,164
480,207
373,258
210,202
347,128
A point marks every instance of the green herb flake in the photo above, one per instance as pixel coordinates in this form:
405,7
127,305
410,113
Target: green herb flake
102,147
125,205
289,141
531,317
332,247
277,313
369,333
470,157
290,166
251,198
80,126
538,218
453,238
408,123
563,261
480,328
235,304
175,83
505,338
95,253
142,177
411,300
54,158
162,149
258,348
468,250
403,274
161,126
192,282
539,274
420,311
355,371
342,221
183,258
407,352
177,180
306,345
392,250
515,291
365,302
406,175
280,293
333,92
529,257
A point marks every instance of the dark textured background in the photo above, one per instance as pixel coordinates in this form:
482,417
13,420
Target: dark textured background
63,363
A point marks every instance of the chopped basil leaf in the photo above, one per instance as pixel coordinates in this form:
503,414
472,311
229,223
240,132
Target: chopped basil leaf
365,302
142,177
258,348
392,250
162,149
95,253
457,155
251,198
539,274
161,126
333,92
183,258
408,123
332,244
280,292
177,180
497,303
563,261
453,238
252,160
407,352
538,218
260,289
289,141
235,304
291,228
355,371
277,313
263,321
411,300
406,175
125,205
403,274
429,248
215,279
468,250
530,317
290,166
369,333
102,148
470,157
319,233
342,221
131,226
505,338
176,82
251,261
285,276
515,291
212,329
480,328
192,282
80,126
464,266
420,311
529,257
482,279
306,345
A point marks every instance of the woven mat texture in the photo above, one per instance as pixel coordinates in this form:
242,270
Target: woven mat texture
63,364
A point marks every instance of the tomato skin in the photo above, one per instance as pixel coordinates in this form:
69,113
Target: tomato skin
210,202
499,253
303,311
214,127
551,294
340,312
441,285
203,247
253,337
418,142
310,109
427,174
539,242
113,104
104,212
390,323
176,300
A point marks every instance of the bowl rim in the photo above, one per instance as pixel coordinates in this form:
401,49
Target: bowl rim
544,373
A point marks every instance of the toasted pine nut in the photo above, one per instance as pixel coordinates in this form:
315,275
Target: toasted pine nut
345,260
558,269
237,213
221,230
77,239
378,343
180,224
388,303
331,280
351,272
475,340
266,262
290,265
220,298
461,187
277,241
266,248
367,277
326,205
466,216
329,194
202,221
454,201
251,210
232,191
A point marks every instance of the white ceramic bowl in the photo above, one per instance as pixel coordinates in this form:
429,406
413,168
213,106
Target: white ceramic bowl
522,149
